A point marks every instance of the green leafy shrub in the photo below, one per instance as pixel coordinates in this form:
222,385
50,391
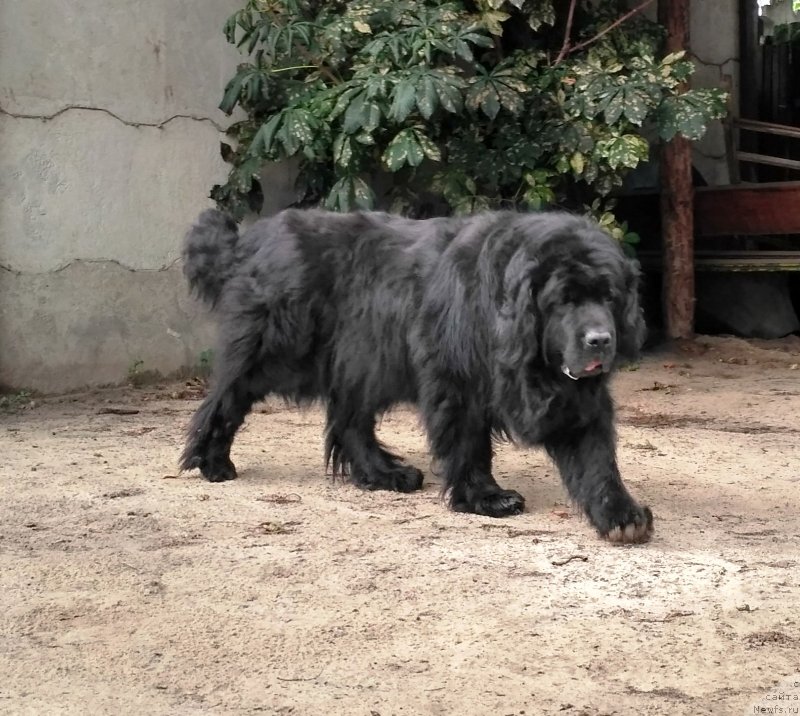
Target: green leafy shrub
464,106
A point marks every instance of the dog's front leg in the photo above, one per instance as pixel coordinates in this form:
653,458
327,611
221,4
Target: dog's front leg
586,459
461,442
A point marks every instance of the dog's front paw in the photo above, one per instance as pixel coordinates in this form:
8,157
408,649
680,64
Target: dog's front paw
491,501
624,523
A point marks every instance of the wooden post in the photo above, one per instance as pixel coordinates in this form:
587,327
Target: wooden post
677,198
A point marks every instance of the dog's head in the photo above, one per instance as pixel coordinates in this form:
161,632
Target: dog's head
572,303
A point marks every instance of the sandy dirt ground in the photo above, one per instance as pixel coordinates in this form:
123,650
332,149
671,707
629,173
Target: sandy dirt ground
130,589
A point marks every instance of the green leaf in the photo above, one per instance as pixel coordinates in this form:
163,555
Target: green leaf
673,57
689,113
342,151
449,92
289,141
343,101
403,149
233,91
427,98
242,176
429,148
364,138
491,91
299,123
638,104
681,71
486,97
414,152
577,163
625,151
355,116
372,116
540,12
362,194
340,197
493,21
349,193
403,100
262,144
230,28
463,50
615,106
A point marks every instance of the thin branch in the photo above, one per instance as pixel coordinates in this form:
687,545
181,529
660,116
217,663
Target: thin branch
296,67
612,26
567,32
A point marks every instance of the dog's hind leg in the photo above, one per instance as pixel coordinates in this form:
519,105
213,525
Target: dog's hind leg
240,380
351,448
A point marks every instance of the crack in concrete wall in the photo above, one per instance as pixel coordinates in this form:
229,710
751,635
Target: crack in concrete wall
86,325
129,123
709,63
85,185
69,264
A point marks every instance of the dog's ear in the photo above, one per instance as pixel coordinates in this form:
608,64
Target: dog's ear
517,319
631,330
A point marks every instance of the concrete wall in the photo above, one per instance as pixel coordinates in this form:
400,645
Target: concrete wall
715,51
109,136
714,40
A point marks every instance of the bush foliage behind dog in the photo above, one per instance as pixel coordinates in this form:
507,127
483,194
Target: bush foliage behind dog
500,324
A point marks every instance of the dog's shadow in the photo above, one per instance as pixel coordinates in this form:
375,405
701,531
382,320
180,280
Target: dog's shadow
542,492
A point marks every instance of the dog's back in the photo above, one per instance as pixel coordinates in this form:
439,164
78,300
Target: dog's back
316,298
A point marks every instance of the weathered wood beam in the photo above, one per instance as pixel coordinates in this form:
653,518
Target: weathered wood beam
677,216
748,210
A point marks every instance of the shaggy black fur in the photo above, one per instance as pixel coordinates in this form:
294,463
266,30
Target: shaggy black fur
500,324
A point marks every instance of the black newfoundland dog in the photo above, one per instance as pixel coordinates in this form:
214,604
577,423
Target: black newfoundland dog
496,325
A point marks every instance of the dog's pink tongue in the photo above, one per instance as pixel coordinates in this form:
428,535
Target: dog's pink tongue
594,365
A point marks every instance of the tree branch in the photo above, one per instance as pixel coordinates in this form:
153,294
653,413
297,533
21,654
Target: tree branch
567,32
592,40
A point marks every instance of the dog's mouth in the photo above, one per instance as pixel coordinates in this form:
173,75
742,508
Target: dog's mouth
593,367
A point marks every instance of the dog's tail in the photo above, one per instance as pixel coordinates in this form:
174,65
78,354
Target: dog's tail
209,254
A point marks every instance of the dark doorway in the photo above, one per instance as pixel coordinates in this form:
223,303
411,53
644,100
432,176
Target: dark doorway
770,84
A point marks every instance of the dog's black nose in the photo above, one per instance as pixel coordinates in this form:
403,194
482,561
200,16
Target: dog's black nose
597,339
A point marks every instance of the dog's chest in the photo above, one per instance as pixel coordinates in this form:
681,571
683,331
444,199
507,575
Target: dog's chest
574,407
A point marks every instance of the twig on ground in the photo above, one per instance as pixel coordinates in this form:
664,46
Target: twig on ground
567,560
